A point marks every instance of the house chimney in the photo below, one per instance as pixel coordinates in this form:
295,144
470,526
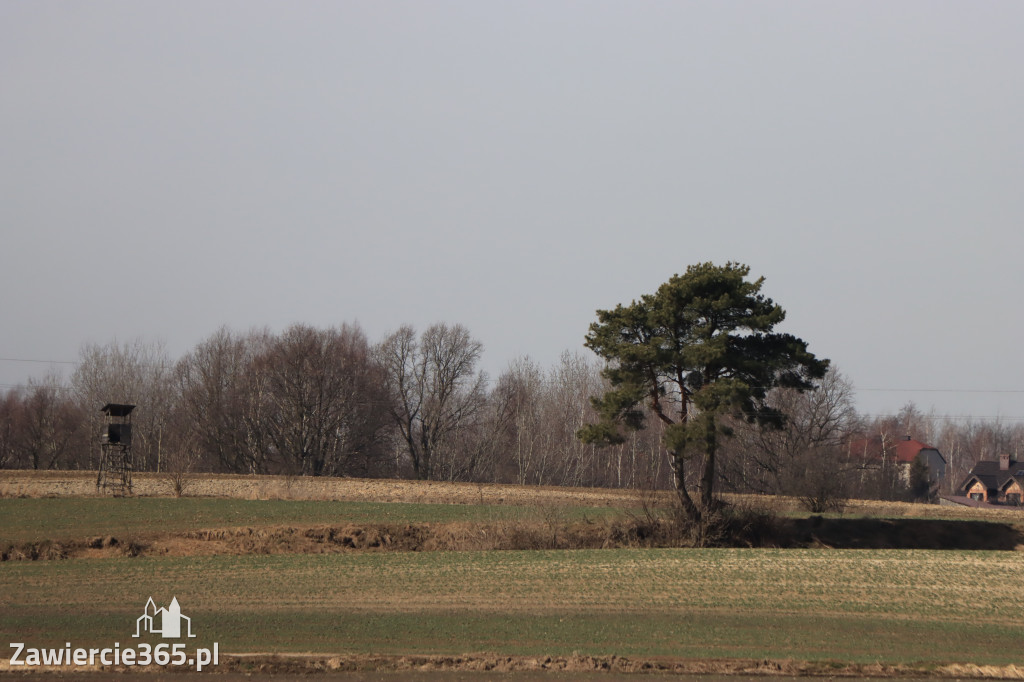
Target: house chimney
1004,461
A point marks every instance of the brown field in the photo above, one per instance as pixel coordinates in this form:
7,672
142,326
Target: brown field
300,576
19,483
24,483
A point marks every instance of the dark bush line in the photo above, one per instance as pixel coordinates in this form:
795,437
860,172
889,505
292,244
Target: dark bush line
729,528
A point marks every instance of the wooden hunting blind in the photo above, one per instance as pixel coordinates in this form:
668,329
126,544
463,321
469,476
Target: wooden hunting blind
115,475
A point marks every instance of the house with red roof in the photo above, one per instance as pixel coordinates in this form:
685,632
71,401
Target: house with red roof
875,452
909,450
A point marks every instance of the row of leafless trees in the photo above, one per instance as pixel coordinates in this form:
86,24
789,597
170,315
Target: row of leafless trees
328,402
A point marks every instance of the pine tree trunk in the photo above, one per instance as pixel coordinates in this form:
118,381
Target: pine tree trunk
679,474
706,486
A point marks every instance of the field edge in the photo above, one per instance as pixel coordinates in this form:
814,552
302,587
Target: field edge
300,664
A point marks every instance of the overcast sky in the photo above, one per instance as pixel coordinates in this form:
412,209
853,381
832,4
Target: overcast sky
167,168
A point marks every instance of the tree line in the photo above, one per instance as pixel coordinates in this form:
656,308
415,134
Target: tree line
327,402
747,408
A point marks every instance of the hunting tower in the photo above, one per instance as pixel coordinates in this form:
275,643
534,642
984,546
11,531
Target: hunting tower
115,473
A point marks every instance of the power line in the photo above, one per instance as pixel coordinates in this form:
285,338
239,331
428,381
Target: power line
39,361
949,417
942,390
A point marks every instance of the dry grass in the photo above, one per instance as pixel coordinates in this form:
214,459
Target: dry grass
278,515
22,483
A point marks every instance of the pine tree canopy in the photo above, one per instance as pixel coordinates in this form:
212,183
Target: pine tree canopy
700,348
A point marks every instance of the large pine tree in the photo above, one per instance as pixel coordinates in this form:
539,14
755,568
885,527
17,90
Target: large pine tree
698,350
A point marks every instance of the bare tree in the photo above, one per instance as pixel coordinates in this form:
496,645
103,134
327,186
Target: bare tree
49,428
135,373
518,404
909,422
323,387
572,381
10,418
436,394
223,403
179,462
539,412
808,451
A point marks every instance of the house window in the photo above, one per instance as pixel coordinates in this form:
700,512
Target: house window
1013,498
977,496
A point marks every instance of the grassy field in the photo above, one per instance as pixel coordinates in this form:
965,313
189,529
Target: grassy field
919,607
71,518
73,526
856,606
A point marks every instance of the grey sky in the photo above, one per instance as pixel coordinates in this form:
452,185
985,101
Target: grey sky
171,167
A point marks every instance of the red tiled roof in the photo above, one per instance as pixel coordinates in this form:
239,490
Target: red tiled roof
907,450
870,449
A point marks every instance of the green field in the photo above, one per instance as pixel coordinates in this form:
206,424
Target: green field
851,606
76,518
918,607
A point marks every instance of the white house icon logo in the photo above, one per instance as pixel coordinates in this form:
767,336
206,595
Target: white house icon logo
164,622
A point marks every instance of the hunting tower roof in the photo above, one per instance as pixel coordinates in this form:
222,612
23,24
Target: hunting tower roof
117,410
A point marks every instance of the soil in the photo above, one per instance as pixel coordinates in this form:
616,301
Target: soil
524,669
626,532
324,540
